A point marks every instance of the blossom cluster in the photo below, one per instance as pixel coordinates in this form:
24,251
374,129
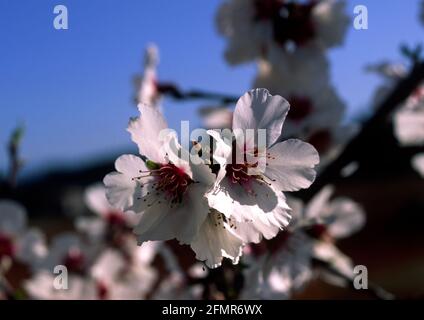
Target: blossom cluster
215,206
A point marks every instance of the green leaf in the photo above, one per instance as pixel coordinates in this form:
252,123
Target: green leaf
151,165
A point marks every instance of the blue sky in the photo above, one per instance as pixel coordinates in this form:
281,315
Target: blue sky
73,88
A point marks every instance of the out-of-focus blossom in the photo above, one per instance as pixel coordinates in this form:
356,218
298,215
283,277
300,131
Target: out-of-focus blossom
216,117
312,107
108,222
316,111
338,218
305,68
174,287
409,119
164,190
147,85
254,27
124,277
16,240
69,250
282,266
418,163
250,197
42,287
278,271
326,221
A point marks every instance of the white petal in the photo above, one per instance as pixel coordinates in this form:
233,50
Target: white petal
95,199
215,241
182,221
261,213
337,260
257,109
347,218
122,191
292,165
32,248
409,127
108,265
418,163
93,227
145,132
316,207
130,165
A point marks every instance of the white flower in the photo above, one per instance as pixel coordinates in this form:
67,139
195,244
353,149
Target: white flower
254,27
167,190
16,241
252,199
418,163
338,218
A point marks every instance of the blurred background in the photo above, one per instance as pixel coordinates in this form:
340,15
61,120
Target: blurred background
72,90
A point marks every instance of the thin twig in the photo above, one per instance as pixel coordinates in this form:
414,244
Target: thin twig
173,91
15,161
373,289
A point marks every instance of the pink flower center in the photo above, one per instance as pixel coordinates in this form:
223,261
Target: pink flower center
170,180
173,181
7,247
74,260
238,173
300,108
115,219
290,21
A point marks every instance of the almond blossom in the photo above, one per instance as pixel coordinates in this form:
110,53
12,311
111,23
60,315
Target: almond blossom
249,197
165,189
283,265
253,27
16,241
